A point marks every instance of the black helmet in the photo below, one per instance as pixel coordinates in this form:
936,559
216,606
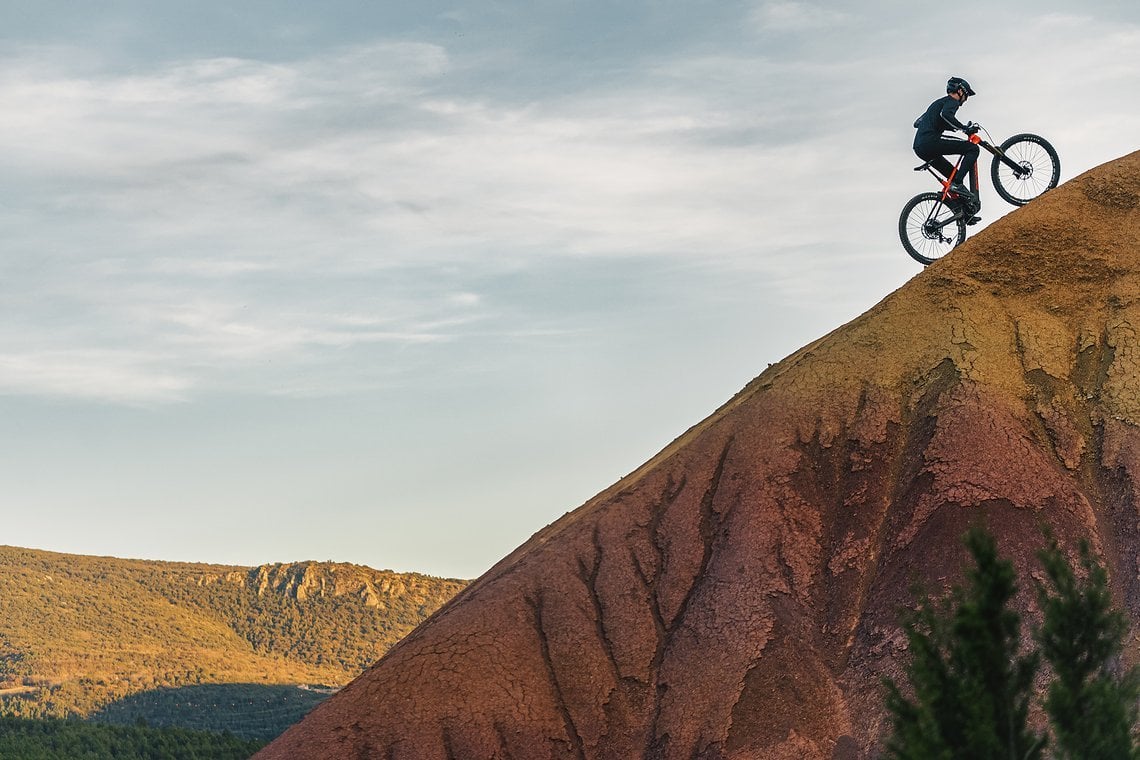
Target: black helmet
953,84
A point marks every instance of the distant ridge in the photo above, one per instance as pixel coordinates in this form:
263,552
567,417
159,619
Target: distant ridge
737,596
78,632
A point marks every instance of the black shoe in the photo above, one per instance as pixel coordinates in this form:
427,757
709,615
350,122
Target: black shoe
973,220
961,190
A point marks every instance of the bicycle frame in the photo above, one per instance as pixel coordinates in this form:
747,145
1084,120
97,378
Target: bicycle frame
1018,170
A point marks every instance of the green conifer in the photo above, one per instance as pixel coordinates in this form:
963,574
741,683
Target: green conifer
971,687
1092,705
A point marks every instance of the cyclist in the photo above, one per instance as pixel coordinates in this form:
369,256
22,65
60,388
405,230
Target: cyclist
930,145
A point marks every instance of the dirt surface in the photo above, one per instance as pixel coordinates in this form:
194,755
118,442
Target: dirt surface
736,597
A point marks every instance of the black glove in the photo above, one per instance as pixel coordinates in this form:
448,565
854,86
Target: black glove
972,128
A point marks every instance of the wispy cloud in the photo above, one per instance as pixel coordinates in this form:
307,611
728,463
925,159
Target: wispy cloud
209,216
123,377
282,160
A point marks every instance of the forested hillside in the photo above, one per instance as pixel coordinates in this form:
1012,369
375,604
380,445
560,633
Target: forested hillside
248,711
53,739
77,633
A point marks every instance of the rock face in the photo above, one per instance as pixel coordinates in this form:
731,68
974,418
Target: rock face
737,596
306,580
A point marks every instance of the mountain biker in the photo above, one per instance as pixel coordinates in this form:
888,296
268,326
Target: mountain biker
930,145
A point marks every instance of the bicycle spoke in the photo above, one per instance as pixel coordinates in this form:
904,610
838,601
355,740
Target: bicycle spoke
1028,154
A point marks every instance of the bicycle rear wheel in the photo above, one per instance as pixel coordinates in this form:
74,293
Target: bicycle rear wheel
1040,169
929,229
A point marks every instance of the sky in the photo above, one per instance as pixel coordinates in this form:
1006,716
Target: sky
399,284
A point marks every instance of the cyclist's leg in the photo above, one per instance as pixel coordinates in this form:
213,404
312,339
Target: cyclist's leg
933,154
942,166
967,150
969,158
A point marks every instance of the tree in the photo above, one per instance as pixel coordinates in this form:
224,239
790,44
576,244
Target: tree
1092,705
971,687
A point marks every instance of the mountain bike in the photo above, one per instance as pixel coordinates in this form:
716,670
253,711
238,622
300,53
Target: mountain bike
932,224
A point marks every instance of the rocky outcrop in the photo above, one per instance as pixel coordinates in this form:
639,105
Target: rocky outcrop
308,580
737,596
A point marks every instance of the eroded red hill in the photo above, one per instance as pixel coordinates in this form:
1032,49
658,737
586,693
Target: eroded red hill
736,597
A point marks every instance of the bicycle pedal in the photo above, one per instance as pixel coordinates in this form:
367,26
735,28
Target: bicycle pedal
973,220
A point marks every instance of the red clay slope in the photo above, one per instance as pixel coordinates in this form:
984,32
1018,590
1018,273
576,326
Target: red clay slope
736,597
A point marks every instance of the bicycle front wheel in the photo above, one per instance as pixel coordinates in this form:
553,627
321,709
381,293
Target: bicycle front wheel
929,229
1038,169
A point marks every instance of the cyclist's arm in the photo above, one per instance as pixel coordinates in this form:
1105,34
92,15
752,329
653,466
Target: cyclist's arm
949,116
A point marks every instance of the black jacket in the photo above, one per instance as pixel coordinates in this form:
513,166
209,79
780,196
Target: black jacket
940,116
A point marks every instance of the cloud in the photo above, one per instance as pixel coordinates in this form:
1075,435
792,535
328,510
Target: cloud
221,214
366,154
121,377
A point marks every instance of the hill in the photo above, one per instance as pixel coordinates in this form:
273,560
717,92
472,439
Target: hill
77,633
738,595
